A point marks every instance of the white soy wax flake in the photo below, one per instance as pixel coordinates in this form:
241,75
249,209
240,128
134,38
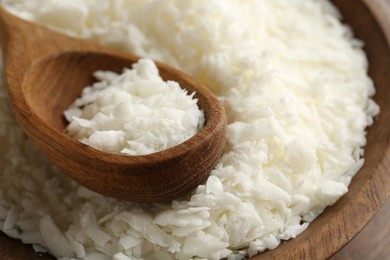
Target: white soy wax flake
134,113
54,239
294,85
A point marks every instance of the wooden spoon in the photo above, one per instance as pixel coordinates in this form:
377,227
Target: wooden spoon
46,71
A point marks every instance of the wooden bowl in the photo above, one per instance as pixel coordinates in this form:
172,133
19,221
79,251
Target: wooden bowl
368,190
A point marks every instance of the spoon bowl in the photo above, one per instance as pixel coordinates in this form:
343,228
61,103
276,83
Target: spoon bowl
46,71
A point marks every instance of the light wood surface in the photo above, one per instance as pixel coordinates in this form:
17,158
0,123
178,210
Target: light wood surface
369,188
45,72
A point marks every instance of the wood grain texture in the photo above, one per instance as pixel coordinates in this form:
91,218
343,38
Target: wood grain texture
370,187
46,71
373,242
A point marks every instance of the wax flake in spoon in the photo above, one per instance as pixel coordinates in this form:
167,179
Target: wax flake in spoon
134,113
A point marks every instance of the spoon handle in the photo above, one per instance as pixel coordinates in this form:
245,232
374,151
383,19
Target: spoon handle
24,42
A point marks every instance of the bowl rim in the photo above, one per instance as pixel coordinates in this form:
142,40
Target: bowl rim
333,229
379,179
